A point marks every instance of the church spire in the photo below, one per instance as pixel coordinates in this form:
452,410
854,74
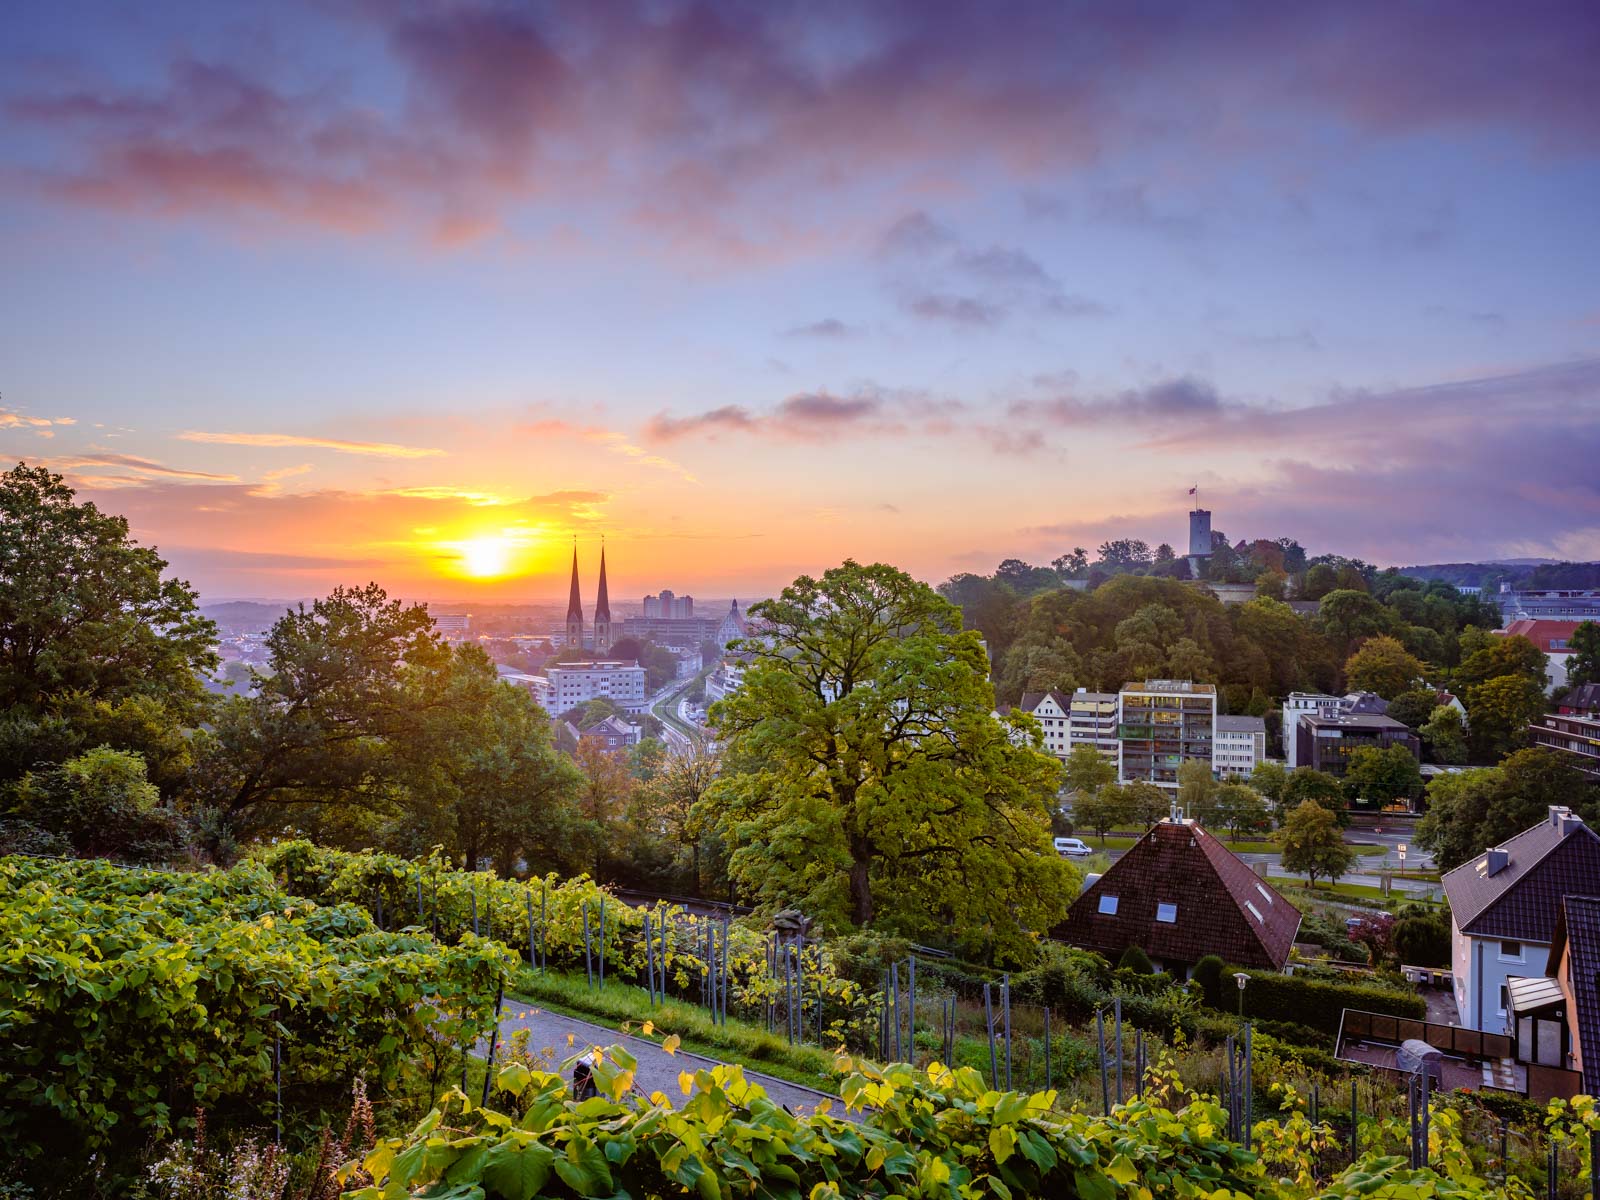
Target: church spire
602,607
575,606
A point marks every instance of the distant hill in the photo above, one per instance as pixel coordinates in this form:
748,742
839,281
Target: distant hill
244,616
1525,573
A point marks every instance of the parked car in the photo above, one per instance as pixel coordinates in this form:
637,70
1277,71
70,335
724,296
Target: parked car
1072,848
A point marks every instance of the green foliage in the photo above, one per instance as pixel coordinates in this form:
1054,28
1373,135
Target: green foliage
366,728
1382,774
130,998
865,779
1103,809
1423,941
1241,809
100,803
1583,664
1473,810
1318,1003
88,626
1208,974
1413,708
1307,783
1499,712
1384,666
1445,735
1136,960
1312,843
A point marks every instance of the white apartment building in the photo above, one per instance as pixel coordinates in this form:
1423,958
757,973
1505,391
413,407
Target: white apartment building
578,682
1240,743
724,681
1092,721
1070,720
1297,705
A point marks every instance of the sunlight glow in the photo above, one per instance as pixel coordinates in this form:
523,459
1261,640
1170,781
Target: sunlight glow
487,557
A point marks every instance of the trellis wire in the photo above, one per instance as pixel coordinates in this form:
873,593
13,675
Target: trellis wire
494,1039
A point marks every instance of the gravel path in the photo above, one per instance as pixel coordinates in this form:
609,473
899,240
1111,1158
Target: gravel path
548,1034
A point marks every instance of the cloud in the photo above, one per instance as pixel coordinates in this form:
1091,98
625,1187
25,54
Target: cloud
828,327
957,310
611,439
810,417
283,440
725,121
1183,400
144,466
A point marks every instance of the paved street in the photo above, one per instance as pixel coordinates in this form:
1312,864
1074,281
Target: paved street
549,1035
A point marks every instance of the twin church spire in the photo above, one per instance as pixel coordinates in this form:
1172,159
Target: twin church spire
602,607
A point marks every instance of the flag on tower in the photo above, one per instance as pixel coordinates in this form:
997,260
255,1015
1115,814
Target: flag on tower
1194,489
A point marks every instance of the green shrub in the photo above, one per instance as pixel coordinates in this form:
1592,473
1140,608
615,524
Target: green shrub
1136,960
1320,1004
129,998
1208,974
1423,941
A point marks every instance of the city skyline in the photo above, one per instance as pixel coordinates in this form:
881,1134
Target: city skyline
414,294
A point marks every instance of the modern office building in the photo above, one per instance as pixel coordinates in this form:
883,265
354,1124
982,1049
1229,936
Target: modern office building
575,683
1325,742
1163,723
1240,745
1296,705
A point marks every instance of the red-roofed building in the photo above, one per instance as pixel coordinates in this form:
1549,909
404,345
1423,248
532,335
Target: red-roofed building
1552,637
1179,894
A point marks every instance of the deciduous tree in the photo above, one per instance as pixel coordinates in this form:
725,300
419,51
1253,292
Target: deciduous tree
1445,735
1384,666
1313,845
865,777
1382,774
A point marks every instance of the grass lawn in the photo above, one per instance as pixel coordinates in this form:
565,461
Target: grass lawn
737,1041
1240,847
1295,888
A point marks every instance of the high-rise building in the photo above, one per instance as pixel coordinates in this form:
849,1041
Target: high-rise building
602,609
1295,706
1164,723
652,607
574,607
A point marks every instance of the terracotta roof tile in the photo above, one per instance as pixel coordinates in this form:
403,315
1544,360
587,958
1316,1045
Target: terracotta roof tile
1216,903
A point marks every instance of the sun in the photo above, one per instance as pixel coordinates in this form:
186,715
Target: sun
486,557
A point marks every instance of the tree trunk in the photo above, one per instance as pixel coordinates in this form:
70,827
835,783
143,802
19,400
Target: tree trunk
860,882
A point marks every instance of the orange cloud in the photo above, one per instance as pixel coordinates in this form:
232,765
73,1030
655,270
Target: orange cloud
279,440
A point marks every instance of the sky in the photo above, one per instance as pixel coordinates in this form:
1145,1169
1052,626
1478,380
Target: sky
336,290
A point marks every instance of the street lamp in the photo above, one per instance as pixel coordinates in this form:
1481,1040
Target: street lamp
1241,979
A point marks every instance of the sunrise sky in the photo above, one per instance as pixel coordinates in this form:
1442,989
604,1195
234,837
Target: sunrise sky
328,291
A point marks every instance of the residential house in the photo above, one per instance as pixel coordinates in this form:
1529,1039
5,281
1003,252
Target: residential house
1583,700
1503,907
1092,721
1575,966
1179,894
1050,709
1241,743
1552,637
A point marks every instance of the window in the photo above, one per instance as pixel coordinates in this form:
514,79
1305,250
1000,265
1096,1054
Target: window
1265,895
1255,912
1510,951
1505,999
1108,905
1167,913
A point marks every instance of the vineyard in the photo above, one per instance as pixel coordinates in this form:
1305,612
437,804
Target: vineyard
134,1000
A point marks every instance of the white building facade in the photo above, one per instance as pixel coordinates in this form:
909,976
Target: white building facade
1295,706
577,683
1241,744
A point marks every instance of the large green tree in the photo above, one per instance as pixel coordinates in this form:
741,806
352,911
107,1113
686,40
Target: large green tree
1472,810
1384,666
1101,810
1583,665
1445,735
97,646
865,777
1499,712
1313,845
1382,775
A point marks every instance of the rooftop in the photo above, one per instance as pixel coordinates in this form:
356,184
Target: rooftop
1578,931
1171,685
1241,725
1349,720
1514,890
604,665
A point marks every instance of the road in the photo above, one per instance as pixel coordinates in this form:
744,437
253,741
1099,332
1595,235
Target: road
556,1037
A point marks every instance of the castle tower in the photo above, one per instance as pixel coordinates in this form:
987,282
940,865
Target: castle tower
1199,539
575,606
602,609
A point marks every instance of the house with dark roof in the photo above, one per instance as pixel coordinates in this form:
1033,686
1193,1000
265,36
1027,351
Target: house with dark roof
1583,700
1179,894
1575,969
1503,907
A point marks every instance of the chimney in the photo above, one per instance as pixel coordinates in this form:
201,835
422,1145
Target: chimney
1088,882
1564,819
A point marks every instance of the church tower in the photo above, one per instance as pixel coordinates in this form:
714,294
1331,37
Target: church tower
602,608
575,607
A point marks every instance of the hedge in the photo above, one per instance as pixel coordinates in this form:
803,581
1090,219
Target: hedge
1319,1004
